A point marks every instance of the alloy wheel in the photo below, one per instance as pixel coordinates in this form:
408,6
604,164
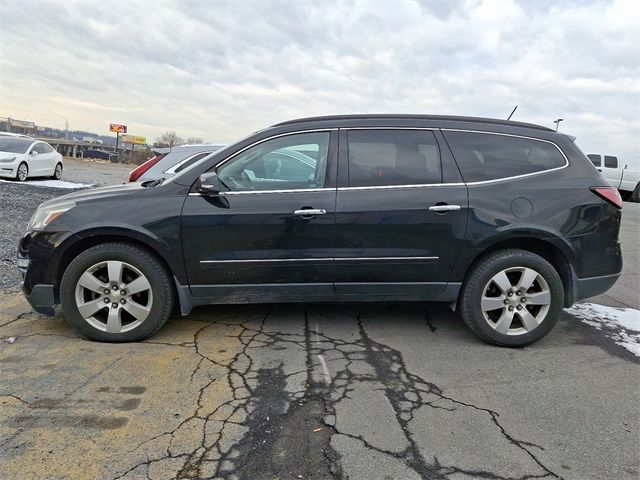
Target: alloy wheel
23,171
515,301
58,172
113,296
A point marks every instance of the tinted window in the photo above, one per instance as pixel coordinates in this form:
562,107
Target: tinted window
291,162
393,157
595,159
14,145
46,148
483,156
610,162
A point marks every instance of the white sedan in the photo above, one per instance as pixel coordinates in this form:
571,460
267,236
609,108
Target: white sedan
22,157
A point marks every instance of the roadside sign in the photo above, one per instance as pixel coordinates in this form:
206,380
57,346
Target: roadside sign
116,127
134,139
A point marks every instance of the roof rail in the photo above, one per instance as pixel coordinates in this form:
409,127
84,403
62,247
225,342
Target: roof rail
453,118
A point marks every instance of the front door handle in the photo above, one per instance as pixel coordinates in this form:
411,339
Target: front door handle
309,212
444,208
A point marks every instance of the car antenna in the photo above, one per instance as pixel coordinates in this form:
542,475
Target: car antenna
512,112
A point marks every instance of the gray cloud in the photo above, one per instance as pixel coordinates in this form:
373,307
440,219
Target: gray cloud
221,70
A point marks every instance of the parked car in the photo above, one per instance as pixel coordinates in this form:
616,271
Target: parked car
501,220
625,179
22,157
170,160
101,154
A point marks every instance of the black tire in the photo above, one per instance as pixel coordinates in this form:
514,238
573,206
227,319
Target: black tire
635,196
473,289
159,279
57,173
22,164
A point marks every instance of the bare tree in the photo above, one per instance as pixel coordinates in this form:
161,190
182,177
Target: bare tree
194,140
169,139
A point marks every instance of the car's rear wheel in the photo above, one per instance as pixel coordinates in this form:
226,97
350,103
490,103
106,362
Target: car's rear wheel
57,172
635,196
116,292
23,172
512,298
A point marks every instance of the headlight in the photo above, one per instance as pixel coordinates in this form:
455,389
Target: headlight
7,160
45,215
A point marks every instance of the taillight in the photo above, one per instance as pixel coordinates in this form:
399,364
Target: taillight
609,194
137,173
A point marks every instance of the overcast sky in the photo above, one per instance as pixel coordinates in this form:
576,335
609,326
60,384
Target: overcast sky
223,70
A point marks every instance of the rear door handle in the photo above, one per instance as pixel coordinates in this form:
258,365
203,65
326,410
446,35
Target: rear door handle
444,208
309,212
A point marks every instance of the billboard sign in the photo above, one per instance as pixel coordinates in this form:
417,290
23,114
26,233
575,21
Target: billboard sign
116,127
134,139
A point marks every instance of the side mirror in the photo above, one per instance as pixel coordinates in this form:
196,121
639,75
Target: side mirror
209,184
33,152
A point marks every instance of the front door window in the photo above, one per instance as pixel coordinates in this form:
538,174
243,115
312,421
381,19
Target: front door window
292,162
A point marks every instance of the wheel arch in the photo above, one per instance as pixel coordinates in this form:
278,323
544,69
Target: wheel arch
82,241
552,250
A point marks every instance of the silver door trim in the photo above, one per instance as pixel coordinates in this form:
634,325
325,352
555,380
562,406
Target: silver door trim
444,208
322,259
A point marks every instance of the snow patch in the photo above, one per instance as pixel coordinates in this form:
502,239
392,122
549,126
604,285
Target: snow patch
50,183
622,325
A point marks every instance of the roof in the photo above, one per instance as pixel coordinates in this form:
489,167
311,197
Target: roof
451,118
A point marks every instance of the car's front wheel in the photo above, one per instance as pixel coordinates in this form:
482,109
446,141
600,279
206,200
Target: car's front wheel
57,172
512,298
23,172
116,292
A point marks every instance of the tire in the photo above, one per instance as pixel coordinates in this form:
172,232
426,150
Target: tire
635,196
57,172
482,292
151,305
22,173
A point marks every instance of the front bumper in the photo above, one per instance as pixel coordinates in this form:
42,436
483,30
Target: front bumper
8,170
41,298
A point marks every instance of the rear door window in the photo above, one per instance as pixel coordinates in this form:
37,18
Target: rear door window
487,156
595,159
610,162
393,157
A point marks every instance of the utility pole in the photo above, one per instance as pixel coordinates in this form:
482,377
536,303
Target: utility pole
557,122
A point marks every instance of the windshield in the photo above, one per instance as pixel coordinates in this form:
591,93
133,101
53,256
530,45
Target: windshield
15,145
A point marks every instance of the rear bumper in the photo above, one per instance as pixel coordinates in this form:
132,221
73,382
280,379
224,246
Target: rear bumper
41,299
590,287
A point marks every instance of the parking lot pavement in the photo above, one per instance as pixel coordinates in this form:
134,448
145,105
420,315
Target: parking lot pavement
314,391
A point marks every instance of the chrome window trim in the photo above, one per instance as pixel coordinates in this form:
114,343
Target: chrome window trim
323,259
386,187
482,182
258,192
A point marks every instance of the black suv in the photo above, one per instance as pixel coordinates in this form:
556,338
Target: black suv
507,222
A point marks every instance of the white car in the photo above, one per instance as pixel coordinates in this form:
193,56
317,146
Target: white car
625,179
22,157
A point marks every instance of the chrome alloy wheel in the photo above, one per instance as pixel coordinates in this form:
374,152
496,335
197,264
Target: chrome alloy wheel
23,171
58,172
515,301
113,296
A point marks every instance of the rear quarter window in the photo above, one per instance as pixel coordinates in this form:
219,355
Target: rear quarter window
487,156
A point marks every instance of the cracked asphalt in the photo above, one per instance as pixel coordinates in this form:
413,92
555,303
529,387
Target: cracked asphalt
357,391
315,392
